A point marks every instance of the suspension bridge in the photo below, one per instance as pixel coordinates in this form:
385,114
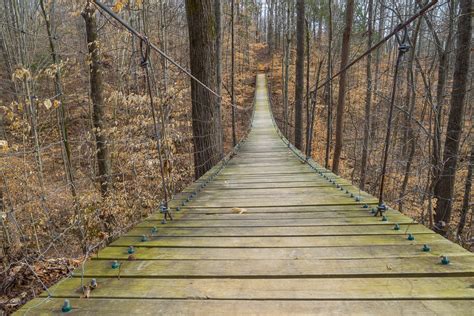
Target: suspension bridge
267,231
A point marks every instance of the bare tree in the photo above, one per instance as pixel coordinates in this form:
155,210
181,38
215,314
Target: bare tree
368,99
345,50
299,84
445,192
202,41
97,98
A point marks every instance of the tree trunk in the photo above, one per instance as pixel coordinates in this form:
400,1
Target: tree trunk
287,69
345,50
299,84
270,26
368,100
329,89
218,13
201,26
467,193
232,71
445,192
97,98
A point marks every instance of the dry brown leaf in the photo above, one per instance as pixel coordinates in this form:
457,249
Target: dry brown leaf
239,210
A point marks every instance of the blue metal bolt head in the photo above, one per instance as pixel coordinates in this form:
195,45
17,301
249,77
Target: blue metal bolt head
396,227
154,230
163,209
144,238
66,306
93,283
115,264
130,250
411,237
365,206
426,248
384,218
373,210
444,260
163,221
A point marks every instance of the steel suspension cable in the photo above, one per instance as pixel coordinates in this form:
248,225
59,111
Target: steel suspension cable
145,64
403,47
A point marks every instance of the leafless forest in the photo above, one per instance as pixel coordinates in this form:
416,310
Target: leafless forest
99,127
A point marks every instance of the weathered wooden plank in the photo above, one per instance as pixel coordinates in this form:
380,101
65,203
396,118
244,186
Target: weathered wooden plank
369,220
292,209
390,267
236,215
281,231
272,201
203,306
287,192
275,289
438,249
277,242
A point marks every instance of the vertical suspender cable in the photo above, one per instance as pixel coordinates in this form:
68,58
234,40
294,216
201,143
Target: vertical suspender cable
145,51
403,47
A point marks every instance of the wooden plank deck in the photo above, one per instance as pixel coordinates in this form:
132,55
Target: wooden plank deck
298,243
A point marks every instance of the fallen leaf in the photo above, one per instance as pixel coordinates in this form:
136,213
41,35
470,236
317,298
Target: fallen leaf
47,104
239,210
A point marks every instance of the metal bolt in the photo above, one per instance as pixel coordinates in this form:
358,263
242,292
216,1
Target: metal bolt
66,306
444,260
115,264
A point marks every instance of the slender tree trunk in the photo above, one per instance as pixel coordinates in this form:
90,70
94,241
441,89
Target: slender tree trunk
97,98
378,53
467,194
218,13
445,194
270,4
164,43
308,111
368,100
299,83
314,99
206,133
287,69
232,71
345,50
329,89
61,110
